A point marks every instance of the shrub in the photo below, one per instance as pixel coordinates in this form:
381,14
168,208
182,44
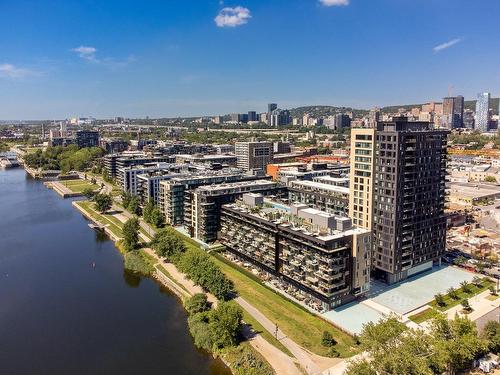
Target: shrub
327,339
135,262
197,304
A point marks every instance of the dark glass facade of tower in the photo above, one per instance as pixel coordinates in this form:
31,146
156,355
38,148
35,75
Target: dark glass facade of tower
409,226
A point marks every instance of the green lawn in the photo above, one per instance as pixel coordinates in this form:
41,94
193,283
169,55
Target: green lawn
77,186
112,223
257,327
424,315
300,325
461,295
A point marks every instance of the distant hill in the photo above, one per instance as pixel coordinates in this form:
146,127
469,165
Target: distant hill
325,111
468,104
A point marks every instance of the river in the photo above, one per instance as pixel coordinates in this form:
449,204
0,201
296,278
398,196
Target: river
61,315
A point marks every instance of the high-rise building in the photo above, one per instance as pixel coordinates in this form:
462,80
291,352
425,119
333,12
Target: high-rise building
271,107
459,112
482,111
252,116
373,117
235,117
253,155
409,226
362,177
453,112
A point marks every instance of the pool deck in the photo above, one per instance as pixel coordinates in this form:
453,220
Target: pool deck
399,299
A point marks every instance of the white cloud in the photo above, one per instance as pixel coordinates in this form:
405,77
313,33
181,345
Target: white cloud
12,71
87,53
446,45
333,3
232,17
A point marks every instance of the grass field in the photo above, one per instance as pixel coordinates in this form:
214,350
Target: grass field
299,324
112,223
461,295
422,316
257,327
77,186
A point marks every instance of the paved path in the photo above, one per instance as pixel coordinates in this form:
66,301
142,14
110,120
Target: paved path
302,356
281,362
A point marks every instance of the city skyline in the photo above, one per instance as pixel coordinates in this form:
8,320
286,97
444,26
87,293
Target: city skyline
191,59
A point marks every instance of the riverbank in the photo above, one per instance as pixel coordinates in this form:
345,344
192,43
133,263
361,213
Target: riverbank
70,304
168,275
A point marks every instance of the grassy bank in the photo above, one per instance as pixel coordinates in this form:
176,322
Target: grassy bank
299,324
112,223
78,186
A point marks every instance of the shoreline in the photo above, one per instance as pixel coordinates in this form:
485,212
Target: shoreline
157,275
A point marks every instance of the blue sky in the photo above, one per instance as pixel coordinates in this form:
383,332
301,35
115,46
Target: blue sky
107,58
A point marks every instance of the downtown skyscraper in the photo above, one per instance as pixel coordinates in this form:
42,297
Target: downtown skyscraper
482,111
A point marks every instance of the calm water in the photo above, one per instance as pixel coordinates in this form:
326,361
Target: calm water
59,315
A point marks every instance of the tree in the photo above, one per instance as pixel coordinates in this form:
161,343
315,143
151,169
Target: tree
490,179
491,332
225,324
126,198
466,305
477,282
327,339
382,335
493,291
459,260
465,286
167,243
452,293
134,205
148,209
103,202
131,234
88,192
197,304
360,367
157,218
440,300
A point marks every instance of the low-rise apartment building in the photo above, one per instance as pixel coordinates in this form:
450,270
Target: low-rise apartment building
318,257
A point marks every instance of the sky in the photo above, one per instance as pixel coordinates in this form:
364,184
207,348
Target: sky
166,58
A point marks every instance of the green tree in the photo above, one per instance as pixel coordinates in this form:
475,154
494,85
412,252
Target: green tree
477,282
148,209
88,192
493,291
327,339
382,336
360,367
490,179
491,332
157,218
167,243
456,343
103,202
197,304
126,198
439,298
465,286
131,234
134,205
466,305
225,324
459,261
452,293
